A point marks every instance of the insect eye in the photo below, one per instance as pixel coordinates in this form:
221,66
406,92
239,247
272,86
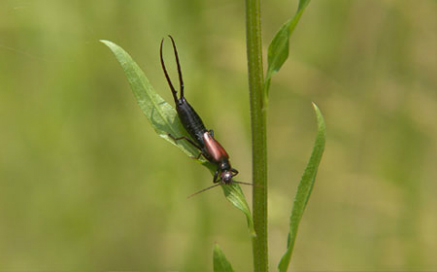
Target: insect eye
227,177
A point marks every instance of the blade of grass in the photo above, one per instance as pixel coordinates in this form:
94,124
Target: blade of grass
279,47
163,118
235,195
221,264
304,189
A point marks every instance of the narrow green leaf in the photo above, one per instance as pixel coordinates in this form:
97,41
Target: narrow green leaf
235,195
221,264
163,118
161,115
279,47
304,189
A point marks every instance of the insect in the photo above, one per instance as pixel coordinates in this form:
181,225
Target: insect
201,138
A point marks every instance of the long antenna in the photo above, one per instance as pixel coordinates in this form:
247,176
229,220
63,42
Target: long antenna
221,183
203,190
181,82
166,74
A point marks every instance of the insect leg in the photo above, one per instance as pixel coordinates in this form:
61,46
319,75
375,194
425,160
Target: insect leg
216,175
189,141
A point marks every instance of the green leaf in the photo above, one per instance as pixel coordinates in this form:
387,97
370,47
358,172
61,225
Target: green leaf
161,115
221,264
279,47
163,118
304,189
235,195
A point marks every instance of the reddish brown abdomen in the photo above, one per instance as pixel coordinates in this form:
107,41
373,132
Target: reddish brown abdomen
214,148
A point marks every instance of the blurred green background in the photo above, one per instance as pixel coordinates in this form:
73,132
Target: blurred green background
85,183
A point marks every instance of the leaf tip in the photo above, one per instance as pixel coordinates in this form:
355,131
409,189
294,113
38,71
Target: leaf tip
109,44
106,42
221,263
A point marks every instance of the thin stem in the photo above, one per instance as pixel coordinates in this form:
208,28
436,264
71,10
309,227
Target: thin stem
259,138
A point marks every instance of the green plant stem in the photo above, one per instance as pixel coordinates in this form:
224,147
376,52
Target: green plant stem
259,138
